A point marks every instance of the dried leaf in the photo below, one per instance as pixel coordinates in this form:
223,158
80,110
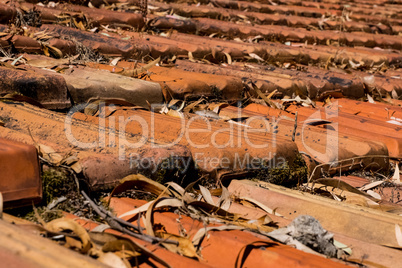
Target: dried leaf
63,225
101,228
374,194
225,200
371,185
112,260
229,58
264,220
358,200
184,244
260,205
396,178
45,50
176,187
185,247
69,160
105,240
369,80
169,202
115,61
354,65
49,154
201,233
138,71
73,243
370,99
398,234
120,245
394,94
215,107
211,209
79,25
190,57
341,185
206,195
335,197
142,183
175,113
207,114
55,51
177,105
21,98
262,96
94,106
77,167
255,56
343,247
192,105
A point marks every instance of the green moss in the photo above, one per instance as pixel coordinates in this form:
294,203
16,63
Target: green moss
176,169
216,93
46,214
287,174
56,183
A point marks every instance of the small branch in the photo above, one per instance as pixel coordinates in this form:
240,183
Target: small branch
294,129
115,222
344,160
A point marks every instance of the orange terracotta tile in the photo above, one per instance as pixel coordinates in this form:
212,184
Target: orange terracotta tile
20,182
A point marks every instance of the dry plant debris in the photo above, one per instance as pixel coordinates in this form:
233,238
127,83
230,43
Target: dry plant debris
319,81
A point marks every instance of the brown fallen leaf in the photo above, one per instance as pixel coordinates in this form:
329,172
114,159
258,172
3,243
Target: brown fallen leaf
201,233
341,185
112,260
143,183
49,154
20,98
185,247
193,105
260,205
265,98
175,113
216,107
69,225
168,202
95,106
55,51
118,244
225,199
138,71
229,58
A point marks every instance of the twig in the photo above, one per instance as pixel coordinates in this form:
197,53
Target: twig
294,129
115,222
344,160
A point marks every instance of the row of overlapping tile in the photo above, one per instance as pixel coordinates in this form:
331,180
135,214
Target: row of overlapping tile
320,82
182,87
368,132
